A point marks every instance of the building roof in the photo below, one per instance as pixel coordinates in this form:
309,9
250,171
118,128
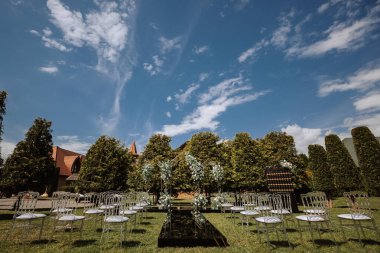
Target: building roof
65,159
133,149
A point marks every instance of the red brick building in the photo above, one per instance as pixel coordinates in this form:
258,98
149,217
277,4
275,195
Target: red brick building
68,163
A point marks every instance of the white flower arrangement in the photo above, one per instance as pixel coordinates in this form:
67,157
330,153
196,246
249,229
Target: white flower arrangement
197,171
164,201
217,173
146,172
217,202
286,164
199,201
166,171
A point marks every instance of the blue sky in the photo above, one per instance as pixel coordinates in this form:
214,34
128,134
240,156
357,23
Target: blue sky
130,69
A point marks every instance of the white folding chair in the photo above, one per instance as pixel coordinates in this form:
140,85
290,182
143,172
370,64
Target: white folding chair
228,201
272,218
249,204
316,213
24,213
237,206
112,218
66,214
91,209
360,212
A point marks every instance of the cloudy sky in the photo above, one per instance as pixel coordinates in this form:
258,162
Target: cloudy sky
130,69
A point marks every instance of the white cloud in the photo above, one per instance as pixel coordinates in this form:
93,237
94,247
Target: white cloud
201,50
249,52
372,121
363,79
203,76
370,101
184,97
155,67
212,104
49,42
241,4
73,143
330,3
7,148
304,137
108,30
49,69
167,45
280,35
168,114
348,35
169,98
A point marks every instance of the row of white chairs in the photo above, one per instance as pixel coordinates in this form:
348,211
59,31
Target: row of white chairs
269,211
113,209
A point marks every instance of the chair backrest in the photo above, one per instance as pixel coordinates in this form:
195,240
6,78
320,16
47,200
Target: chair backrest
358,203
56,199
316,203
26,202
286,201
249,200
91,201
67,204
143,197
229,197
113,204
263,204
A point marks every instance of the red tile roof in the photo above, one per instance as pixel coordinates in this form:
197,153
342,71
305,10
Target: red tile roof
64,160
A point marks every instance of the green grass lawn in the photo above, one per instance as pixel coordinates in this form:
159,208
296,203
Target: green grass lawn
144,237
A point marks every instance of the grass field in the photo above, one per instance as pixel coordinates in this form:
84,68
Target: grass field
144,237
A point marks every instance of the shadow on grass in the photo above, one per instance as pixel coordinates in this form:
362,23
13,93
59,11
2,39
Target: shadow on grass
130,244
138,231
43,241
283,244
145,223
291,230
83,243
365,241
6,216
326,242
149,218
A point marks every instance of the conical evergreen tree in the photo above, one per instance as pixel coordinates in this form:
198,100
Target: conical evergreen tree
346,174
322,177
367,148
106,166
31,166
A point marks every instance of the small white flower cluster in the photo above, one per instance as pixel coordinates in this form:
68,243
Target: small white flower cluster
166,171
146,172
217,202
286,164
199,201
164,200
217,173
197,172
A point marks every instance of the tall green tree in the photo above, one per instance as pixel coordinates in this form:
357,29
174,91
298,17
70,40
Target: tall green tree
204,147
367,148
106,166
156,151
346,174
31,166
244,159
276,146
322,176
3,98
